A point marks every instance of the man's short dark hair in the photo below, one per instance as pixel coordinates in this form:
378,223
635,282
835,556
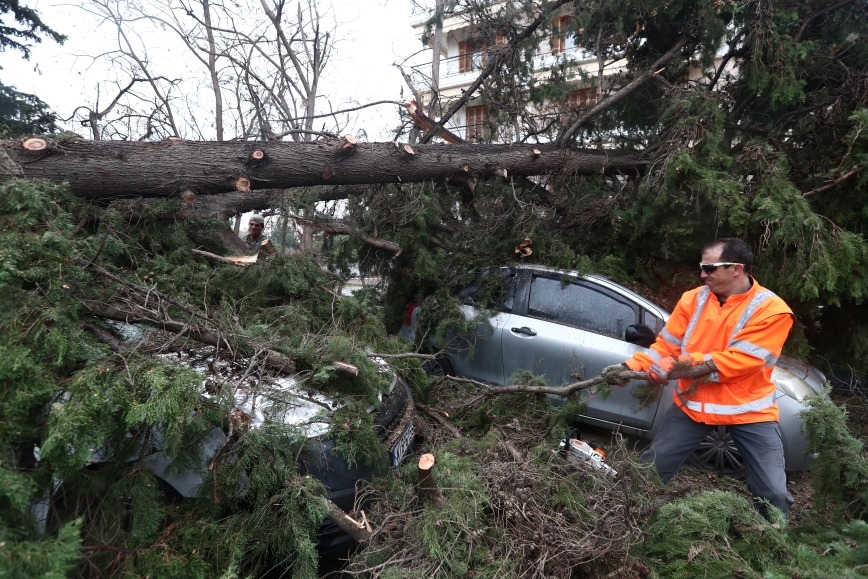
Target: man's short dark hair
733,250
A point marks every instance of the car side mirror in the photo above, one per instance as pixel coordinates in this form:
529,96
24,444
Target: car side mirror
640,334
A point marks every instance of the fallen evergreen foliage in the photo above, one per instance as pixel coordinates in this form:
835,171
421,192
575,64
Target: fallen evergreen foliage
78,495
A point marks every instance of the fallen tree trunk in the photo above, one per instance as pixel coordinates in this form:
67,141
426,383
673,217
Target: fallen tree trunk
117,169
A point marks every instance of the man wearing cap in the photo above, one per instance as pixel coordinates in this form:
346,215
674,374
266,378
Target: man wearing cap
254,237
736,329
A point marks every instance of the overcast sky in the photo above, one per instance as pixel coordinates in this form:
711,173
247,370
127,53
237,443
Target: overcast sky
373,34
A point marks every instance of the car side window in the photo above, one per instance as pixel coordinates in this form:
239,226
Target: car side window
493,288
580,305
653,322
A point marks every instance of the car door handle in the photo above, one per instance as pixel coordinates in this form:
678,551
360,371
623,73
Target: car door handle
524,330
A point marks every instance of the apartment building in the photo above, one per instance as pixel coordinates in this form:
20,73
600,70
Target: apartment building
463,55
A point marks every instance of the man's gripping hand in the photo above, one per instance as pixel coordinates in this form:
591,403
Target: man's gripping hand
659,372
614,374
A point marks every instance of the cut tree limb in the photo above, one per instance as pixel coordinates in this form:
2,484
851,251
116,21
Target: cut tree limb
426,480
439,420
624,375
359,531
117,169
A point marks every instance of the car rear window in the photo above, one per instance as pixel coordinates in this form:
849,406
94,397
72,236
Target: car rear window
580,306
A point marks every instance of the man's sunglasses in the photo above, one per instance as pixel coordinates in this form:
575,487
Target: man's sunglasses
712,267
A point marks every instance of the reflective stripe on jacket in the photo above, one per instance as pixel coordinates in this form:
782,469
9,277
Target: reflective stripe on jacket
744,338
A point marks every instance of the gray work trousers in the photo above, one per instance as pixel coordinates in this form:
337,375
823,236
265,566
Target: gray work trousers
759,444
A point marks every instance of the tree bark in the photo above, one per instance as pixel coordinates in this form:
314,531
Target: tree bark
116,169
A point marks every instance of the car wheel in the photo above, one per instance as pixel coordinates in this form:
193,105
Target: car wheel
440,366
719,453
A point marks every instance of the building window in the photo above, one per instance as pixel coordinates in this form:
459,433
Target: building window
471,55
475,123
584,97
560,42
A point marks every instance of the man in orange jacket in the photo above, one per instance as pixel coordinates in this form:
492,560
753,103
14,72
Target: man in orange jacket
736,328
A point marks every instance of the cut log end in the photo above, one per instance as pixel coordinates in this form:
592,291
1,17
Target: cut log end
426,480
427,461
409,150
257,155
174,139
188,197
536,153
34,144
346,368
242,184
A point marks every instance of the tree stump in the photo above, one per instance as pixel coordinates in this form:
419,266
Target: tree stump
426,481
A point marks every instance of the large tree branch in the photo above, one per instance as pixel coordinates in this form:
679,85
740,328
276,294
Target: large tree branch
499,56
622,93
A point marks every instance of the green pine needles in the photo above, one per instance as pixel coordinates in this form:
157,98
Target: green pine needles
83,424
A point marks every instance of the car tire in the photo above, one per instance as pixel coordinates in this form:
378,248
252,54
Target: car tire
438,367
718,453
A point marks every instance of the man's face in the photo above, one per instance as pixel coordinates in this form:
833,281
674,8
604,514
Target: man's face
255,229
724,280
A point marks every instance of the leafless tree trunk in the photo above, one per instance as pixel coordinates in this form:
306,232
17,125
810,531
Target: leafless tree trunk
212,69
434,104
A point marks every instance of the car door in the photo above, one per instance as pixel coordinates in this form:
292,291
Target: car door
570,330
478,354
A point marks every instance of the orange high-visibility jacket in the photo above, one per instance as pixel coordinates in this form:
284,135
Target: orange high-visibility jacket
744,337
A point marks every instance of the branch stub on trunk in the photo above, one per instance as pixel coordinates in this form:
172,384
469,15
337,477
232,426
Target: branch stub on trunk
242,184
34,144
257,155
349,143
326,175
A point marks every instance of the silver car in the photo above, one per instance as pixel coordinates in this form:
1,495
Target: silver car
567,326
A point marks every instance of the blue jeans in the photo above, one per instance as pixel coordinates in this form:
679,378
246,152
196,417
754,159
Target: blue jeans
759,444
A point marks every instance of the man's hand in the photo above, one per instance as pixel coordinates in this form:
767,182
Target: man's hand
659,372
614,374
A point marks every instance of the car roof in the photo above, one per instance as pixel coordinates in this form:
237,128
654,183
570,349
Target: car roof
604,282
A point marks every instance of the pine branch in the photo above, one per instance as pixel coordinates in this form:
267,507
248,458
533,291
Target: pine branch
831,184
